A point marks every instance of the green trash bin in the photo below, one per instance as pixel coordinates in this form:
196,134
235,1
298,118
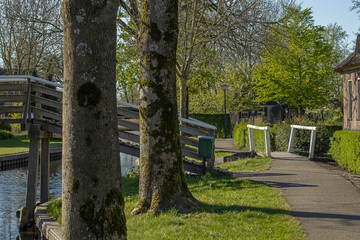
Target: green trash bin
205,149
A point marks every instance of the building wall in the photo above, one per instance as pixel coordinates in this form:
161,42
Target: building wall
352,123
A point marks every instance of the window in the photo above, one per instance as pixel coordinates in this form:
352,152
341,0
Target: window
358,99
349,93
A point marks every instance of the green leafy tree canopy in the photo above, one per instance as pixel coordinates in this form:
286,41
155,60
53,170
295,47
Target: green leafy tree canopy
295,70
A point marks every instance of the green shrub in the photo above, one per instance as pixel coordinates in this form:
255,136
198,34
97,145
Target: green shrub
4,135
240,134
241,137
6,127
216,120
345,150
302,139
281,136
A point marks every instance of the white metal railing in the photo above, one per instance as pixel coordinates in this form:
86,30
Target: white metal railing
312,139
267,138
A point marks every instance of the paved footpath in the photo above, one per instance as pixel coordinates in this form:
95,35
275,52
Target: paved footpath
326,204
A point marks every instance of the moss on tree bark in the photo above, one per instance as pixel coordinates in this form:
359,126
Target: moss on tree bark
93,205
162,180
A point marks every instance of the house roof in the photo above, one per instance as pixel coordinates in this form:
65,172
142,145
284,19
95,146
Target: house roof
352,61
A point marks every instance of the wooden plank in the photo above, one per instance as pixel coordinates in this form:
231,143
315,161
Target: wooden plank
129,123
47,102
10,121
192,131
46,113
48,126
127,113
129,136
189,141
12,98
12,87
46,90
129,149
11,109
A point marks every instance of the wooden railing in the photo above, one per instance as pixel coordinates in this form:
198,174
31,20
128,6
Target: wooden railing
191,129
29,100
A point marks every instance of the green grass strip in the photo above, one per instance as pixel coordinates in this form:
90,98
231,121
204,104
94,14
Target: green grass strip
247,165
229,209
21,143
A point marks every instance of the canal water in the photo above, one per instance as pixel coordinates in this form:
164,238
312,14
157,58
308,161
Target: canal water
13,189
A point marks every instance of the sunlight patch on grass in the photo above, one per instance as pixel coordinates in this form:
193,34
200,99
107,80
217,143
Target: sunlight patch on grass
247,165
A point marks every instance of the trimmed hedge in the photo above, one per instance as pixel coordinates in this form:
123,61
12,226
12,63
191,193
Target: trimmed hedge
345,150
216,120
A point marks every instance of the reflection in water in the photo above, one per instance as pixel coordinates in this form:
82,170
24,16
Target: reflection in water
13,190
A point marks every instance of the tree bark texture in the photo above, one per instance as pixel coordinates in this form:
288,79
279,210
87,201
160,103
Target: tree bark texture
184,97
162,179
93,204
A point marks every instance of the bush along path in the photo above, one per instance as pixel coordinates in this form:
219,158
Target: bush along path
327,205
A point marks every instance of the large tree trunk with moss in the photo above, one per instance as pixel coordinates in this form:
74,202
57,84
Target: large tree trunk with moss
93,205
162,179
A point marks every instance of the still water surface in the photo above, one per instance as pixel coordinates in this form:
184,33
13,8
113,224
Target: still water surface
13,189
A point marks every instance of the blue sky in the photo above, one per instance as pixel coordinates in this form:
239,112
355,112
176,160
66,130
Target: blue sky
334,11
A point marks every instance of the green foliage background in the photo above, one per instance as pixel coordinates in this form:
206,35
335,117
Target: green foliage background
216,120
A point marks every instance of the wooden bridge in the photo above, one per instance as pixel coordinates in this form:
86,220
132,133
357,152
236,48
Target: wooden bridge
28,100
36,104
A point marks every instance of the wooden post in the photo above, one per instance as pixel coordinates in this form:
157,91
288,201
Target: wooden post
32,172
312,144
251,141
211,161
44,168
291,140
267,142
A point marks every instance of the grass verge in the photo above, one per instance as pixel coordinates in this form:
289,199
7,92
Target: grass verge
229,209
247,165
21,143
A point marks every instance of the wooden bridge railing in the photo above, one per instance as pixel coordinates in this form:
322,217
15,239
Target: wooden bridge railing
29,100
128,124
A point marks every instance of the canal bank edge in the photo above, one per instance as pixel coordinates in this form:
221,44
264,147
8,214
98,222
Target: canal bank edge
49,229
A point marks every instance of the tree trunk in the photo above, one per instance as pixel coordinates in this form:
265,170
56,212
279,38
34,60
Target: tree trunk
93,204
162,179
184,97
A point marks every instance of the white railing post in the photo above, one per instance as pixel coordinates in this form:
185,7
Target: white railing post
291,140
312,140
267,138
312,144
251,140
267,142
